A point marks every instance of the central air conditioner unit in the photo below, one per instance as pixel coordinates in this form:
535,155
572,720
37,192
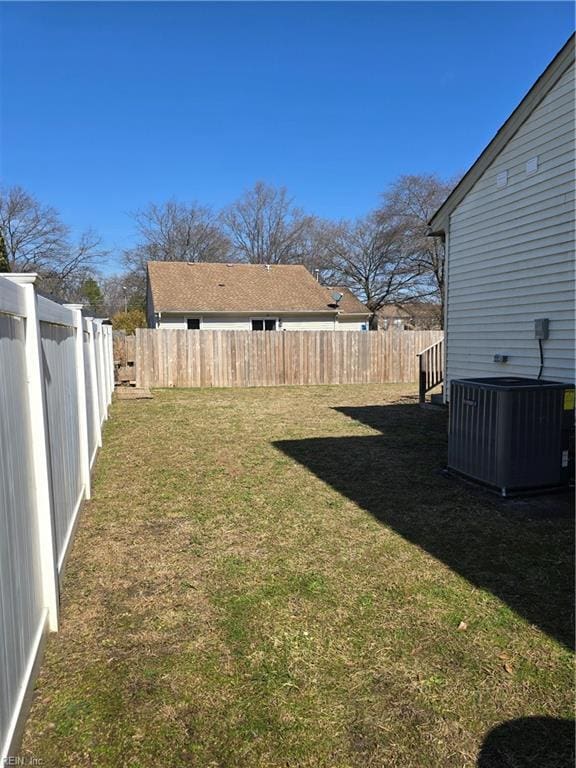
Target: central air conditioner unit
512,434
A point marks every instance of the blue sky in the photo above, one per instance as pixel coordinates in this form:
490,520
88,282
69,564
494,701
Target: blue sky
107,106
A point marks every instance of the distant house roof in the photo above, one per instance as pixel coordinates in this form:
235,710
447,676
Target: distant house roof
411,314
178,286
410,309
553,72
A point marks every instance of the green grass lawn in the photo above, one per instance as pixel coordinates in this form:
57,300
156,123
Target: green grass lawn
282,577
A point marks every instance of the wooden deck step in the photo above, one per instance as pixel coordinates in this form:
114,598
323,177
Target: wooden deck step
132,393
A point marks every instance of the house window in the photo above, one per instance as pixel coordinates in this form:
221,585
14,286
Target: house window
264,325
193,323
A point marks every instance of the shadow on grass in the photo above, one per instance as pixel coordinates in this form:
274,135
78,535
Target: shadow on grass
521,551
530,742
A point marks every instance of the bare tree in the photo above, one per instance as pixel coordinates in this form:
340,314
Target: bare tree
174,231
169,231
368,257
126,291
408,205
78,262
318,251
34,236
36,240
265,227
4,263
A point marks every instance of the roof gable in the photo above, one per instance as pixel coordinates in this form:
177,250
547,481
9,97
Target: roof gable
547,80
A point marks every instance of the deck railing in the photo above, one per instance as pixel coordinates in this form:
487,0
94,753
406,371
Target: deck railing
431,368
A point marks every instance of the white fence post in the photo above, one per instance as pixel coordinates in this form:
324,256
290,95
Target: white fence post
96,421
82,408
109,368
99,344
111,343
111,359
40,456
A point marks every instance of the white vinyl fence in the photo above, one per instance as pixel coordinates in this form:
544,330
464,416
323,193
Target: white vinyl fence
56,382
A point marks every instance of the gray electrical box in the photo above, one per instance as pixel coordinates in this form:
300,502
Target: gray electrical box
511,433
541,328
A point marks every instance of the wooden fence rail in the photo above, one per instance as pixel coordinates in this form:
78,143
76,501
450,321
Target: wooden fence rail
56,382
167,358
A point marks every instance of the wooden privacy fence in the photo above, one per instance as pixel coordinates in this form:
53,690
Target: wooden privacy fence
166,358
56,382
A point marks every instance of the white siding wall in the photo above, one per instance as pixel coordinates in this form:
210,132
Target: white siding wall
172,322
345,324
211,323
224,323
511,253
309,323
289,323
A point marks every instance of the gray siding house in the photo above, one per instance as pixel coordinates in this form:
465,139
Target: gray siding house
510,242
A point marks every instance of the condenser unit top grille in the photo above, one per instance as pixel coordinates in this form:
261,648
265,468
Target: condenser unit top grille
513,383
